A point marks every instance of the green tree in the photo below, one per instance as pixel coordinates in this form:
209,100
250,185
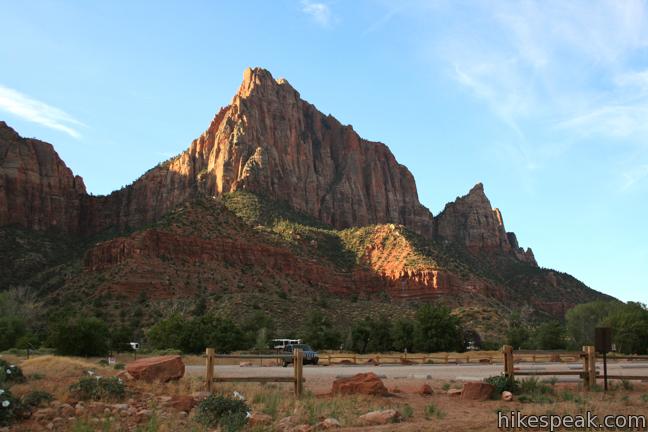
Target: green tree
12,329
629,324
380,339
360,335
517,333
79,336
319,333
581,320
437,330
550,336
194,335
403,334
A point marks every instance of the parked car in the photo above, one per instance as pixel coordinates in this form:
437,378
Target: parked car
310,355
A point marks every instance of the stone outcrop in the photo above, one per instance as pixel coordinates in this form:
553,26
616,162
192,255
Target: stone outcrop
471,221
162,368
362,383
478,391
37,190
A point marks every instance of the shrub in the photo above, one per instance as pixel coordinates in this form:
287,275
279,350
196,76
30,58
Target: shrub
503,383
79,336
230,414
98,388
10,373
407,411
119,366
432,410
10,408
36,398
644,397
103,362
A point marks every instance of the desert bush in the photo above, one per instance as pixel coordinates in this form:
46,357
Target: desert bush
220,411
119,366
36,398
503,383
534,391
10,408
644,397
98,388
10,373
407,411
431,410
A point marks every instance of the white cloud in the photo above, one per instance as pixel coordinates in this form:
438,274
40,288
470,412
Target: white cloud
35,111
320,12
634,176
564,65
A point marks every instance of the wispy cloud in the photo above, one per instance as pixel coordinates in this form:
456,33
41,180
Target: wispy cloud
634,176
320,12
35,111
561,64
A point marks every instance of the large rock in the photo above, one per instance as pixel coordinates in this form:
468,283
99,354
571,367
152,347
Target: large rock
163,368
478,391
363,383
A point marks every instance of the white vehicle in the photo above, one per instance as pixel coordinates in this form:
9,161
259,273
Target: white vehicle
280,344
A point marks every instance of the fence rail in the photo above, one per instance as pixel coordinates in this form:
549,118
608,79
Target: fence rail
588,373
298,370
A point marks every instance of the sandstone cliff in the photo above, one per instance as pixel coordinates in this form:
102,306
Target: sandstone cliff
471,221
37,189
268,141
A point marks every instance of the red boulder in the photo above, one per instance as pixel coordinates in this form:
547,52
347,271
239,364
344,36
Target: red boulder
163,368
363,383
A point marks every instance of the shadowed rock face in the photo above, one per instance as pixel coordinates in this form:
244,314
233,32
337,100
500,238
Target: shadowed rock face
470,220
37,189
269,141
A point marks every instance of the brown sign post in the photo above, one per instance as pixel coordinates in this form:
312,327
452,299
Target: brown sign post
603,343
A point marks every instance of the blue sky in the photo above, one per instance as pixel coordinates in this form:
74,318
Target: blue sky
544,102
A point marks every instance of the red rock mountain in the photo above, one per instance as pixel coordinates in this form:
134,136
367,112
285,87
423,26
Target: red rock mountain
269,141
37,189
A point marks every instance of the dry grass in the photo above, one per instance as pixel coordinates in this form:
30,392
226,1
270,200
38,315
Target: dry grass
55,374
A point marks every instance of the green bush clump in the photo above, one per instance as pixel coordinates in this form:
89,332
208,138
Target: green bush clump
36,398
10,373
217,410
119,366
503,383
98,388
10,408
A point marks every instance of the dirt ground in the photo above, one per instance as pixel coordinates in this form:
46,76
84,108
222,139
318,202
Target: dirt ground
436,412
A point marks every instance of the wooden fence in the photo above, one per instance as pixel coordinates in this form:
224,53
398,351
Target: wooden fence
588,373
298,370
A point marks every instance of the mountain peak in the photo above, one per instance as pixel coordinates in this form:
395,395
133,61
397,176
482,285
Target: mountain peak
260,81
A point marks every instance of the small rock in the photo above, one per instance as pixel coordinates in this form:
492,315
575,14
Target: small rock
200,395
79,410
45,414
66,410
183,414
257,419
107,411
380,417
426,390
181,403
50,426
507,396
454,392
328,423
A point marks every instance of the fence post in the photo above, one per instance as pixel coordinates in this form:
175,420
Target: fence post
507,350
586,368
298,363
210,368
591,356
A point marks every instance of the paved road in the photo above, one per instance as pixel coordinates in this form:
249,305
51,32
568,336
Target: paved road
460,372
